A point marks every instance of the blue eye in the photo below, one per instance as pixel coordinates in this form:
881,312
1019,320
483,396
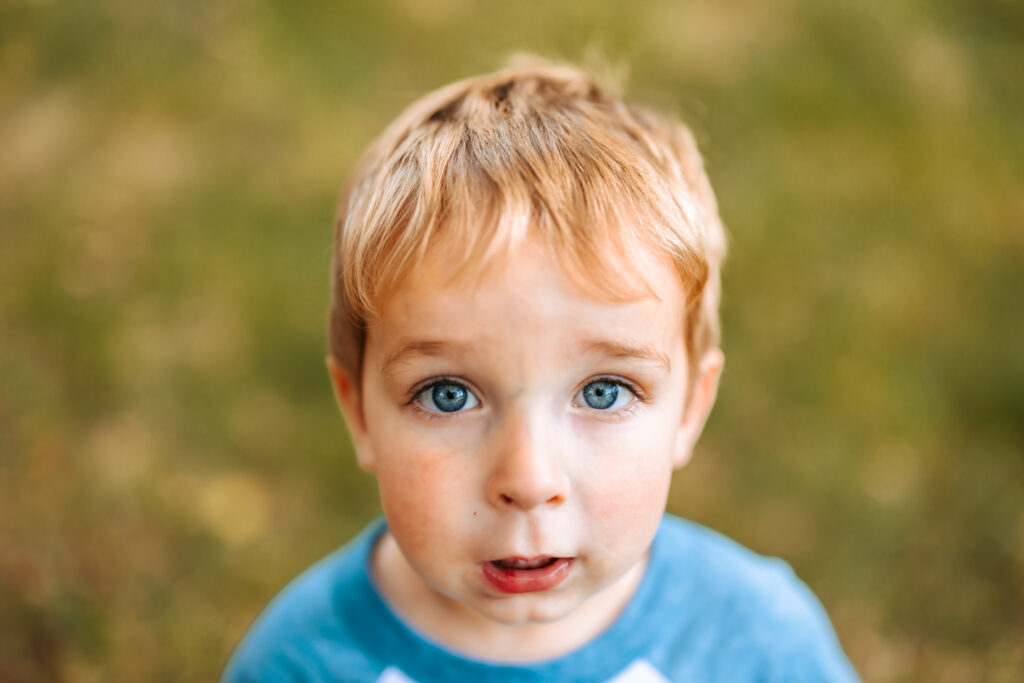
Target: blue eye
605,394
446,397
449,397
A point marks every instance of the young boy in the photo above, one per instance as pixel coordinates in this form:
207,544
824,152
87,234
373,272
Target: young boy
524,345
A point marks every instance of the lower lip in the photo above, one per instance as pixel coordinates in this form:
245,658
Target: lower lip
527,580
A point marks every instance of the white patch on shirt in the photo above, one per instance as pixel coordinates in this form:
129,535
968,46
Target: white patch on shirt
640,671
393,675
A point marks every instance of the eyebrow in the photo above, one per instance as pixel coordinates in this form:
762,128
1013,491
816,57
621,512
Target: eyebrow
439,349
618,350
428,348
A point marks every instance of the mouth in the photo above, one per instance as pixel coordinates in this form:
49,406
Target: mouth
526,575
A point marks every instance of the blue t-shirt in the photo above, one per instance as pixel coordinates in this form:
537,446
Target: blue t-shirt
706,609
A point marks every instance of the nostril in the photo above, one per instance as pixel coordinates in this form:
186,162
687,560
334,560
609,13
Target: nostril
506,499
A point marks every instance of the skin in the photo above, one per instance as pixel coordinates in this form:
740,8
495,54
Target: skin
527,468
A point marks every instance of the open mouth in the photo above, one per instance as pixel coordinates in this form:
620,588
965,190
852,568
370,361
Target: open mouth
526,575
521,563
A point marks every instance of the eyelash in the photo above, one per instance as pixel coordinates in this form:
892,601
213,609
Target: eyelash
639,394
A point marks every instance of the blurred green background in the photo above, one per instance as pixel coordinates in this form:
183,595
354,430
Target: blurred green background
170,454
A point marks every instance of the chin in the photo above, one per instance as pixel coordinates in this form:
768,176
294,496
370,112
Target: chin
526,610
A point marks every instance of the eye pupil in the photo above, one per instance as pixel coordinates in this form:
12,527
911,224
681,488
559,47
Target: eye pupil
449,397
601,395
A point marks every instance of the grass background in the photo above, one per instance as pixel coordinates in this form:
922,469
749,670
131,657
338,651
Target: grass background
170,454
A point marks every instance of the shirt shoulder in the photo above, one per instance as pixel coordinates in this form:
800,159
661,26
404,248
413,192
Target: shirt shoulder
315,626
735,612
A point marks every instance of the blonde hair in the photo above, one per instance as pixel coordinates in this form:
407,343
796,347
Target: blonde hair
536,150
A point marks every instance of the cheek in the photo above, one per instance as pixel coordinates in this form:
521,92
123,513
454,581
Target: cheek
626,508
418,488
631,485
633,492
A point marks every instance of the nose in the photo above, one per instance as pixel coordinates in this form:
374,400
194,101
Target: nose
529,467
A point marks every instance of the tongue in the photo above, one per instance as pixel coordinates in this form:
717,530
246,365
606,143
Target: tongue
518,563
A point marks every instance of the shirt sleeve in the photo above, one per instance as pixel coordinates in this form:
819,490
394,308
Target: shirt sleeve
807,649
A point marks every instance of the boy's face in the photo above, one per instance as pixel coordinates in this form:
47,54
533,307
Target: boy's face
524,433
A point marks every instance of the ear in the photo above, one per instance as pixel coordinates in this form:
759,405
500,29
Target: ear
702,399
347,391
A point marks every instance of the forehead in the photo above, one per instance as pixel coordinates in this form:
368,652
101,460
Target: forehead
529,294
607,272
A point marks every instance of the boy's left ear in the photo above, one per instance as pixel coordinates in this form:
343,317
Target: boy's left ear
702,399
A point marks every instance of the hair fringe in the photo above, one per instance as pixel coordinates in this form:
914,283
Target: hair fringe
539,149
